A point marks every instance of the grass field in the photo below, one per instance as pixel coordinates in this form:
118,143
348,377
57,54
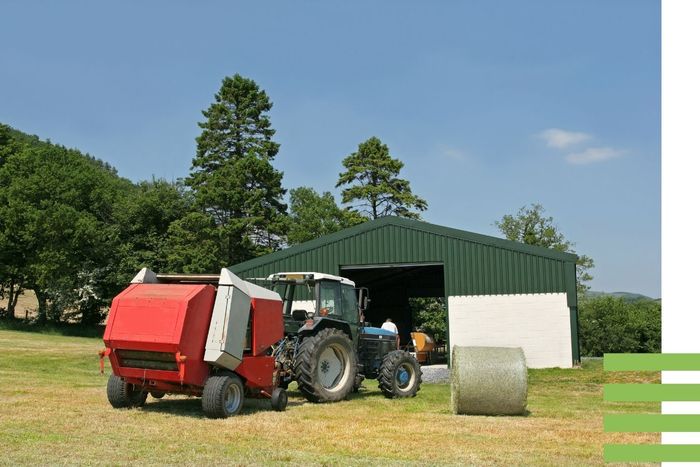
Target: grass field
53,409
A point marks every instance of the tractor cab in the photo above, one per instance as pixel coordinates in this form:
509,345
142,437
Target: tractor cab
311,299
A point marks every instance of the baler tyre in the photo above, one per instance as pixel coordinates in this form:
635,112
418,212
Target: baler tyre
123,395
399,375
222,396
325,366
138,397
279,399
157,394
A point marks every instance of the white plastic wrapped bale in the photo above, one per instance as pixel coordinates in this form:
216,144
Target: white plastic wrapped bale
488,381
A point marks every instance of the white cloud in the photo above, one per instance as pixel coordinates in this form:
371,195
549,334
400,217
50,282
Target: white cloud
592,155
454,153
560,139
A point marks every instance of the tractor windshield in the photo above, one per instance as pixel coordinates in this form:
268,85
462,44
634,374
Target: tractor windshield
329,299
296,296
335,300
350,309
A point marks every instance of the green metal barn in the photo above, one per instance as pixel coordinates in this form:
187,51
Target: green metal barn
498,292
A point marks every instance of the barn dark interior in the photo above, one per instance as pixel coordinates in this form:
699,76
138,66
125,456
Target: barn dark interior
390,287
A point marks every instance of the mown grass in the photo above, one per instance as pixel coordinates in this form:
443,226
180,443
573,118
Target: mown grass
53,409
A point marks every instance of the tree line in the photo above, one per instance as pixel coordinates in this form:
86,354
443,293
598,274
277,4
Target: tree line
74,232
610,324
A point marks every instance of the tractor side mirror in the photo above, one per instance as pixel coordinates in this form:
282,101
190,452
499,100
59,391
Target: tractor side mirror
363,298
299,315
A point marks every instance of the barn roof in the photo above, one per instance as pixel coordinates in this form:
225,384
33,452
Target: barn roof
410,224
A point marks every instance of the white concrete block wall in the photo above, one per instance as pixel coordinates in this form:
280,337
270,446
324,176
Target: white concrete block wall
539,323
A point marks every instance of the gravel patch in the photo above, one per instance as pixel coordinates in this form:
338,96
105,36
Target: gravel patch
436,374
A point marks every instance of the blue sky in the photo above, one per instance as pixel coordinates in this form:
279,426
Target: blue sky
491,104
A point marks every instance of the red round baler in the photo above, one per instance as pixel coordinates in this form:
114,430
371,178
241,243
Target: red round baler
200,335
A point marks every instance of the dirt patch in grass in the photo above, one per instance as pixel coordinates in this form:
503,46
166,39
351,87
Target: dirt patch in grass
53,409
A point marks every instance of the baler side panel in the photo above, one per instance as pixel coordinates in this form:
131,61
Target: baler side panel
194,334
113,310
111,316
268,324
227,331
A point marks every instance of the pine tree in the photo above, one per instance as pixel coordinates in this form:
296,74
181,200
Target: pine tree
232,174
375,189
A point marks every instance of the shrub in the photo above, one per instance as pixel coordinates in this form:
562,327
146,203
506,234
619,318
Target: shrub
609,324
430,315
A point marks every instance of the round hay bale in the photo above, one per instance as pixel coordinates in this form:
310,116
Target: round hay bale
488,381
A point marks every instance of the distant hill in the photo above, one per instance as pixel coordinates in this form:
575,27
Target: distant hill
628,296
13,138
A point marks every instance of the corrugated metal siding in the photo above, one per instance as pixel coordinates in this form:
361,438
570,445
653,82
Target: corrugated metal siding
471,268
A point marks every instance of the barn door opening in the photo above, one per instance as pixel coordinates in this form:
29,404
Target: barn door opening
401,292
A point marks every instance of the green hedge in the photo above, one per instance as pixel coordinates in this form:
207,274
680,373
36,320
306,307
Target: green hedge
62,329
610,324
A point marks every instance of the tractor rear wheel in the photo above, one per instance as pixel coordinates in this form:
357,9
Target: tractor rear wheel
325,366
222,396
399,375
123,395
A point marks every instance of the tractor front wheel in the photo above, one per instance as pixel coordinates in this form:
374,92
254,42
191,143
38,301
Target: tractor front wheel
399,375
358,382
325,366
124,395
222,396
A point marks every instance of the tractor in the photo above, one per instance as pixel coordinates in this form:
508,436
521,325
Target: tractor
328,348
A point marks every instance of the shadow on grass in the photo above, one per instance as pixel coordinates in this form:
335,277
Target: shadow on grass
192,407
365,393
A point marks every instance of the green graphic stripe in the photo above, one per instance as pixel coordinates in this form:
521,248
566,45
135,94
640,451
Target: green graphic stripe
651,362
651,423
651,392
651,453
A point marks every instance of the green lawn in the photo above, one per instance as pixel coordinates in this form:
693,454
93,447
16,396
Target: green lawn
53,409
